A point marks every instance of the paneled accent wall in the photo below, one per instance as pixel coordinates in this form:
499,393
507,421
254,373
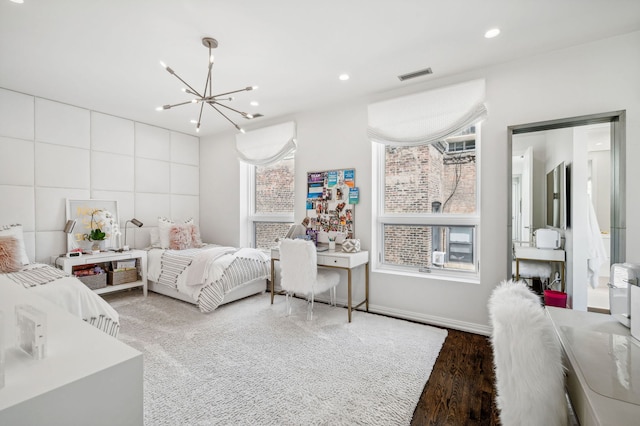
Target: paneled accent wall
50,151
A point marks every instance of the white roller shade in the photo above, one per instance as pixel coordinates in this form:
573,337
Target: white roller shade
267,145
427,117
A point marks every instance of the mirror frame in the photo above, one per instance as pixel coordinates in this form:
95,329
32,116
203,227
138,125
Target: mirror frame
617,119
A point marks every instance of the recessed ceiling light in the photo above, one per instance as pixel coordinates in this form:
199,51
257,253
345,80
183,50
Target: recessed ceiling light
18,1
254,103
344,77
492,33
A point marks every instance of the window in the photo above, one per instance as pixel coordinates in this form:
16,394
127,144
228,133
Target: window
267,180
428,205
271,213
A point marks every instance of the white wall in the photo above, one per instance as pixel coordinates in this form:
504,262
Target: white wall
591,78
51,151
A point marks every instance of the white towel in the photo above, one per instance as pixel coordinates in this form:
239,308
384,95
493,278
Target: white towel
596,252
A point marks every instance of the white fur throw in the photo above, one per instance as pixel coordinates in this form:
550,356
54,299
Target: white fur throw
527,359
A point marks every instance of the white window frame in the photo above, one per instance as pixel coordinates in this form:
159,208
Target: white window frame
248,215
380,219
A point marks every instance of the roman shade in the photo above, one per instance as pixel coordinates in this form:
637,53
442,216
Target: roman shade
427,117
267,145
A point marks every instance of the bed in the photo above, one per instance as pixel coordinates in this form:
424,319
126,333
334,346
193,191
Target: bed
51,283
181,266
67,292
207,276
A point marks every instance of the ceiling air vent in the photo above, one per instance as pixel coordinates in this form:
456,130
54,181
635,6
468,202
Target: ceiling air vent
415,74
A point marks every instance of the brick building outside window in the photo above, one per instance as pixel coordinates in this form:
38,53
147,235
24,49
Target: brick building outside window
273,202
428,211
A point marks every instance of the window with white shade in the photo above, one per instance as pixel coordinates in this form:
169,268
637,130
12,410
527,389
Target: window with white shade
267,170
427,197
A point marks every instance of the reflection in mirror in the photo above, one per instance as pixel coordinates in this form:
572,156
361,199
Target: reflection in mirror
565,176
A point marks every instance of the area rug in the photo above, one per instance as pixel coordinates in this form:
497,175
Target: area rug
247,363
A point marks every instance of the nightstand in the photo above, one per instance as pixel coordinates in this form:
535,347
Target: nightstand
68,264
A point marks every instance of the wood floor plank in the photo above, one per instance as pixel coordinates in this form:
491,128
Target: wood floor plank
461,388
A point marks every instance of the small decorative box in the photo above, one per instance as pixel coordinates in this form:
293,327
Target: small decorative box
31,326
351,246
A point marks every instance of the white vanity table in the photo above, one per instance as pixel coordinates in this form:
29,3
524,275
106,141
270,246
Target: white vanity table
541,255
603,367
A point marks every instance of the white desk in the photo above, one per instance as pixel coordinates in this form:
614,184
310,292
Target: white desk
603,367
335,259
86,378
541,255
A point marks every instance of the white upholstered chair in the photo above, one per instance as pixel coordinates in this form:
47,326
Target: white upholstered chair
300,273
527,358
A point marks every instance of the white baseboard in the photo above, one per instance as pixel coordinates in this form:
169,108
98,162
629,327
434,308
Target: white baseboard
469,327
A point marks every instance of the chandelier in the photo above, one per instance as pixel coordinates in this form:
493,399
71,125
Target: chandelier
206,97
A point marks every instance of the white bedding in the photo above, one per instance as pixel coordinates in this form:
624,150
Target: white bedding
67,292
206,274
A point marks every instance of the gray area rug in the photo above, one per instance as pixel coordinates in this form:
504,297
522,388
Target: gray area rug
247,363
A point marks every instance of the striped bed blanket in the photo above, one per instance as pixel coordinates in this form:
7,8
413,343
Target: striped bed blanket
206,274
68,293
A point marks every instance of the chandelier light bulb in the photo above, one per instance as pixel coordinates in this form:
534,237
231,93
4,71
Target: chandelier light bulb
211,59
163,65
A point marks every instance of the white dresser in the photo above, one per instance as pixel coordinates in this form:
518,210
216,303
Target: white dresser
603,367
86,378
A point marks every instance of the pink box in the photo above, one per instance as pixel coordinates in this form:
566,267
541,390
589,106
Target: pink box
555,298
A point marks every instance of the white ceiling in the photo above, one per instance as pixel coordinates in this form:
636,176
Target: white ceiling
104,55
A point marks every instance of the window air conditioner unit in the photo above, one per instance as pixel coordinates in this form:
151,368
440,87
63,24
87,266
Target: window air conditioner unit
438,258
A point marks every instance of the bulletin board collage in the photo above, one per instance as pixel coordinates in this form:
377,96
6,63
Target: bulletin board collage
331,199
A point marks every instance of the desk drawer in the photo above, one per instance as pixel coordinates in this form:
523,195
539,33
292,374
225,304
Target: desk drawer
341,262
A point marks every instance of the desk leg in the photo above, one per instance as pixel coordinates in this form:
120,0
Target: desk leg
517,269
349,295
366,284
562,284
273,278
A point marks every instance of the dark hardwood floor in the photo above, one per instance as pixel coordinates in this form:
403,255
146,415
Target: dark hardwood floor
461,388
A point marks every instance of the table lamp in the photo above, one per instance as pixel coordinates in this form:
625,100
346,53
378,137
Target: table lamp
137,223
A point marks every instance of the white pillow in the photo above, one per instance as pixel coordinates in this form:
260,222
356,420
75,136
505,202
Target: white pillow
16,232
154,235
164,226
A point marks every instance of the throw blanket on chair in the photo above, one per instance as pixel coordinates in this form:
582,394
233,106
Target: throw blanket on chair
527,358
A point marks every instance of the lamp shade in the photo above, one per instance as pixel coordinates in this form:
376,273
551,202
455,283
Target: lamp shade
68,227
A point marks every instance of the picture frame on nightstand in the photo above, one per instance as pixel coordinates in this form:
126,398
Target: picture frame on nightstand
81,211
